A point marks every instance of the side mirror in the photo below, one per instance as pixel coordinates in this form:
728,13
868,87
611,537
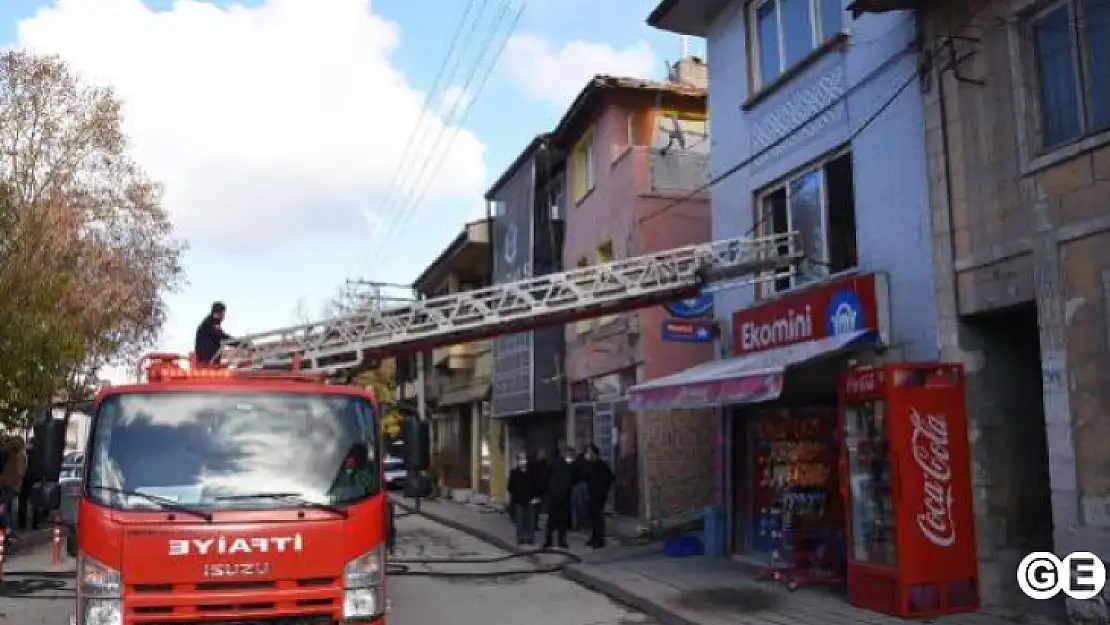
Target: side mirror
418,486
46,496
418,448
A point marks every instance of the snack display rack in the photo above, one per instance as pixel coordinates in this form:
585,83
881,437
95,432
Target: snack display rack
800,516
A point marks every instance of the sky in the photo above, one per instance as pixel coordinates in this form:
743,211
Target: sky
279,127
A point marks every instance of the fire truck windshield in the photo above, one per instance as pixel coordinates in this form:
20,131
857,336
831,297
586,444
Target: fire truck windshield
233,450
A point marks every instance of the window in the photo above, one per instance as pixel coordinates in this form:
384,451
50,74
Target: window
683,131
582,166
784,32
1071,50
819,204
220,450
605,253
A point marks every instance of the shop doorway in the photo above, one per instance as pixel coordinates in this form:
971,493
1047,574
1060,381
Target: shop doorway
1006,400
626,491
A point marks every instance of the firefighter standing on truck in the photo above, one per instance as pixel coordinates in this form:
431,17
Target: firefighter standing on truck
210,335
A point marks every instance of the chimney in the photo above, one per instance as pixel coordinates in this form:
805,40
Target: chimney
692,72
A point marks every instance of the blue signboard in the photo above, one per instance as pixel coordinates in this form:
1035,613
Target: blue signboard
684,331
700,306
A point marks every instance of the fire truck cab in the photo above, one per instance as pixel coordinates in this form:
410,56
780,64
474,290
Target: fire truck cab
214,496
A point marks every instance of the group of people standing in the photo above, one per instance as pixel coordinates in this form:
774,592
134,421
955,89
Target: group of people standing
573,488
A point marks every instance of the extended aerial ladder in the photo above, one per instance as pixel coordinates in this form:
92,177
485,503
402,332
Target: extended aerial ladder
347,341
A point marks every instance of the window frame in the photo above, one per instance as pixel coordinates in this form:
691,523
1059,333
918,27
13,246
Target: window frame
584,164
770,288
755,64
1080,41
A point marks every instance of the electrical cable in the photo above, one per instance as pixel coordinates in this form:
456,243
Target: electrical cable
417,135
417,199
394,211
755,156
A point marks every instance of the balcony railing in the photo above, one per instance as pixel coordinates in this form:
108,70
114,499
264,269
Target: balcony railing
676,170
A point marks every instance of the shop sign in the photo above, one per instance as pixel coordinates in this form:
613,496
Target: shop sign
687,331
929,442
701,306
832,309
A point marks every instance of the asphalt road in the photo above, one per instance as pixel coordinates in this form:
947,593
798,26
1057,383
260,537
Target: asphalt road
513,600
516,600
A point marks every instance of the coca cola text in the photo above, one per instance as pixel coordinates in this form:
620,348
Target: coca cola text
929,442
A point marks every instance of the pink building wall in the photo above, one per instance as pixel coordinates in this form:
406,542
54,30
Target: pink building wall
624,209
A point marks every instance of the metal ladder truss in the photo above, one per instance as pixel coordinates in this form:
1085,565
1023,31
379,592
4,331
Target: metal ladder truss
343,342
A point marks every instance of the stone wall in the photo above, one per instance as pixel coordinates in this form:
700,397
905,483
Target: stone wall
1017,225
677,455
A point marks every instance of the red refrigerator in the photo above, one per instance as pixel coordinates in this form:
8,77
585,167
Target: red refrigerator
906,480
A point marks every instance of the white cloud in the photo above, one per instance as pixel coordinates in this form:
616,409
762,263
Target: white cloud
265,122
455,99
557,75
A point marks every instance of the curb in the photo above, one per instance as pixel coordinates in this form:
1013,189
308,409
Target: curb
576,573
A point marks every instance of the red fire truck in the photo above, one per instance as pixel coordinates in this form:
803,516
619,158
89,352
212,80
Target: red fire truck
238,494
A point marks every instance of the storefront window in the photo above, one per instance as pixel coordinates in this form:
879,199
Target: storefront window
794,491
867,444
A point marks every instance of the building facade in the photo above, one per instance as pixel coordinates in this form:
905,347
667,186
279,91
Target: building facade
1017,123
525,207
468,453
636,153
807,138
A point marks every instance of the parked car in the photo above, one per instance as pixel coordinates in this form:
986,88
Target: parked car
395,473
73,467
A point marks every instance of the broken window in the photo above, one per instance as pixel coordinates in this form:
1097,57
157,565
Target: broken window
819,205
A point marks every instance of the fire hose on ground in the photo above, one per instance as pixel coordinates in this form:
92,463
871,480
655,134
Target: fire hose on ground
400,567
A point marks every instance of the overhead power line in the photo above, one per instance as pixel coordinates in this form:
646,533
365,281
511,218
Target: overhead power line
452,128
397,184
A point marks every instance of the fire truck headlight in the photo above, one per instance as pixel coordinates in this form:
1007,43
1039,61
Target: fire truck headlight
366,570
99,590
97,580
363,593
101,612
363,603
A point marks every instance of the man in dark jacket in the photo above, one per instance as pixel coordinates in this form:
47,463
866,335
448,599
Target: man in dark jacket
599,479
540,468
560,481
580,494
210,335
524,498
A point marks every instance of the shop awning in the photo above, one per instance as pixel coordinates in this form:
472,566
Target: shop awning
748,379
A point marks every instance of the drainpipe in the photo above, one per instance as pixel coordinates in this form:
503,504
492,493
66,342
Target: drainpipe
946,161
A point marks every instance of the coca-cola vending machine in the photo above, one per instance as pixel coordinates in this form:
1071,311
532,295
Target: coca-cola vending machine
906,479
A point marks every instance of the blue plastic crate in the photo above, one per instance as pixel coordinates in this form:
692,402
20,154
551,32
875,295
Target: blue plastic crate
683,546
